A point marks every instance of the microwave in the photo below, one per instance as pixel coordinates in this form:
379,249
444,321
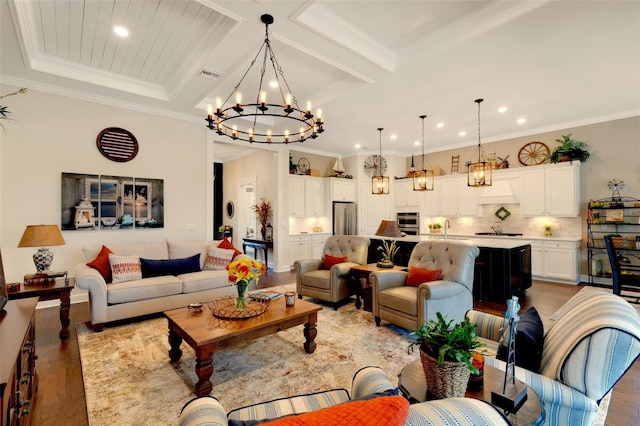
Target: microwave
409,222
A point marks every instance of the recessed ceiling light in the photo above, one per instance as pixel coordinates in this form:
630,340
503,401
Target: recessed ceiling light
357,146
503,109
440,125
417,143
121,31
393,137
521,120
462,133
273,84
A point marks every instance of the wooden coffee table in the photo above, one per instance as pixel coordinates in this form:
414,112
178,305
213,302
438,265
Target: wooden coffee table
413,385
201,331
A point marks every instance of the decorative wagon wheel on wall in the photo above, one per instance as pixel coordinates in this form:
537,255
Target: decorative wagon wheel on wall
533,153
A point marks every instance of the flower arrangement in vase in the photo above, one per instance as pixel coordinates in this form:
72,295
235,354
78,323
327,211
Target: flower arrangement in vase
241,273
264,213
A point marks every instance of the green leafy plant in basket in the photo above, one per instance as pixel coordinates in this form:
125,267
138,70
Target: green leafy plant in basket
444,342
570,149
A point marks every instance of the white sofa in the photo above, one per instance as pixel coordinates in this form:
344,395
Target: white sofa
111,302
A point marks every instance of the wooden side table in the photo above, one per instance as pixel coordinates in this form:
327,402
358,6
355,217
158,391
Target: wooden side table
59,289
413,386
363,272
258,244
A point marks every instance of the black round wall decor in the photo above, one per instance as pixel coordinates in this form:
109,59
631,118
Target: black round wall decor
117,144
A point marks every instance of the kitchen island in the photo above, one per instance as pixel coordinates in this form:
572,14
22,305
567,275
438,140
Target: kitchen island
503,267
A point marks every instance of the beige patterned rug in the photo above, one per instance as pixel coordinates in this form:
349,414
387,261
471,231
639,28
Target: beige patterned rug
128,378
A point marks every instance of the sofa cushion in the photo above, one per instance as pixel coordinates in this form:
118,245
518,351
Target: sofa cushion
529,341
387,410
183,249
318,278
218,258
292,405
401,299
157,268
101,263
203,280
125,268
143,289
329,260
418,276
226,244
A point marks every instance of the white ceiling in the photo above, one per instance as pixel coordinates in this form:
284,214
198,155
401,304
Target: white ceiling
367,64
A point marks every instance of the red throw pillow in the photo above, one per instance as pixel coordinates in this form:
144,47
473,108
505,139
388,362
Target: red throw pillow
386,410
101,263
418,276
329,260
226,244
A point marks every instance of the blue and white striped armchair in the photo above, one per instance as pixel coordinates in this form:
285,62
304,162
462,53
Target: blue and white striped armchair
593,341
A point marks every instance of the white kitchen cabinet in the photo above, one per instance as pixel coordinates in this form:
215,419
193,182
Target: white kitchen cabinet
555,260
306,196
405,196
458,199
341,189
551,190
299,248
314,196
317,245
430,202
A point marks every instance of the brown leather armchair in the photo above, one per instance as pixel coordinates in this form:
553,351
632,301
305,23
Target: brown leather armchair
331,285
409,307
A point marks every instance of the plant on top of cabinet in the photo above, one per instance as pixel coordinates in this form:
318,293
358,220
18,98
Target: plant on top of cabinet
570,149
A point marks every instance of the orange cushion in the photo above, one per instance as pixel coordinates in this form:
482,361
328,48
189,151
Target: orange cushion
418,276
226,244
101,263
386,410
329,260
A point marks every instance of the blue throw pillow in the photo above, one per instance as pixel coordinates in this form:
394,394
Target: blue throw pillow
529,341
158,268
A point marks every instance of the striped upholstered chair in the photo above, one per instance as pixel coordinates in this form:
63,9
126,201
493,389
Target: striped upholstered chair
366,384
593,341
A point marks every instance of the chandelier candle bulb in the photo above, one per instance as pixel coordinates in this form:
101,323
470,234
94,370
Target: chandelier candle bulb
251,134
287,100
263,97
286,136
210,112
268,136
234,134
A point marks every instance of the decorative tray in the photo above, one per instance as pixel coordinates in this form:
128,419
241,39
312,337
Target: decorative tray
226,308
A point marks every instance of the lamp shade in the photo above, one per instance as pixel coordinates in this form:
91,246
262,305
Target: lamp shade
388,228
41,236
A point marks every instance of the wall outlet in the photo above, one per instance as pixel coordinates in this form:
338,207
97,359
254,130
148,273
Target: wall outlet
530,225
556,225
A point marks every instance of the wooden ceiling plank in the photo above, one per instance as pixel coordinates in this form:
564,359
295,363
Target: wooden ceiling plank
137,42
47,20
105,9
76,11
89,24
156,28
118,17
131,20
61,8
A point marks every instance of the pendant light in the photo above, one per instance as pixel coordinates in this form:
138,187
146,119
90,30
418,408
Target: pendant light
423,179
379,182
479,173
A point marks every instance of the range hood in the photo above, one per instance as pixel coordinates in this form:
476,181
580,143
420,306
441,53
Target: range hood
502,191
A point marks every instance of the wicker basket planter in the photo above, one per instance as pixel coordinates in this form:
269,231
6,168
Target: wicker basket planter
447,381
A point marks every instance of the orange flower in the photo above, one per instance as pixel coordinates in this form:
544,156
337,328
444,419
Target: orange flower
245,270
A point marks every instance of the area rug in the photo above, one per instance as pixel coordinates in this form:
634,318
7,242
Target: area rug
128,378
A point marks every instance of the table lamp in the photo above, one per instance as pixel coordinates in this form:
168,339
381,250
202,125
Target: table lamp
41,236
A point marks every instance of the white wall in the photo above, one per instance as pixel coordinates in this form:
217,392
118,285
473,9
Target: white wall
54,134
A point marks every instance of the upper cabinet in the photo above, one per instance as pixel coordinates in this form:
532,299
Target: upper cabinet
456,198
551,190
341,189
405,196
306,196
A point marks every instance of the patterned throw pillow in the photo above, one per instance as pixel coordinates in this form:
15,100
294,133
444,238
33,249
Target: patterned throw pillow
125,268
101,263
218,258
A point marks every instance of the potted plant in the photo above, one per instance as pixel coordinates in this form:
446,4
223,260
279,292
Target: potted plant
435,228
446,355
569,150
389,250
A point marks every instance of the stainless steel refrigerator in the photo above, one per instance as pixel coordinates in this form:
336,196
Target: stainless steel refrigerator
344,218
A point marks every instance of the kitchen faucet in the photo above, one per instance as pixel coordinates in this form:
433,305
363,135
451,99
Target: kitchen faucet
447,224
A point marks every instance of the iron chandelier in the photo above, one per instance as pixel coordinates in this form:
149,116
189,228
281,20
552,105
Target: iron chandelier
423,180
224,120
479,173
379,182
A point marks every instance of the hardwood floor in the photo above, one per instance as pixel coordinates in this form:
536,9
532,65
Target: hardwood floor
61,399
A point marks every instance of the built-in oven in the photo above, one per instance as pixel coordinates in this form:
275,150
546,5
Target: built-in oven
409,222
